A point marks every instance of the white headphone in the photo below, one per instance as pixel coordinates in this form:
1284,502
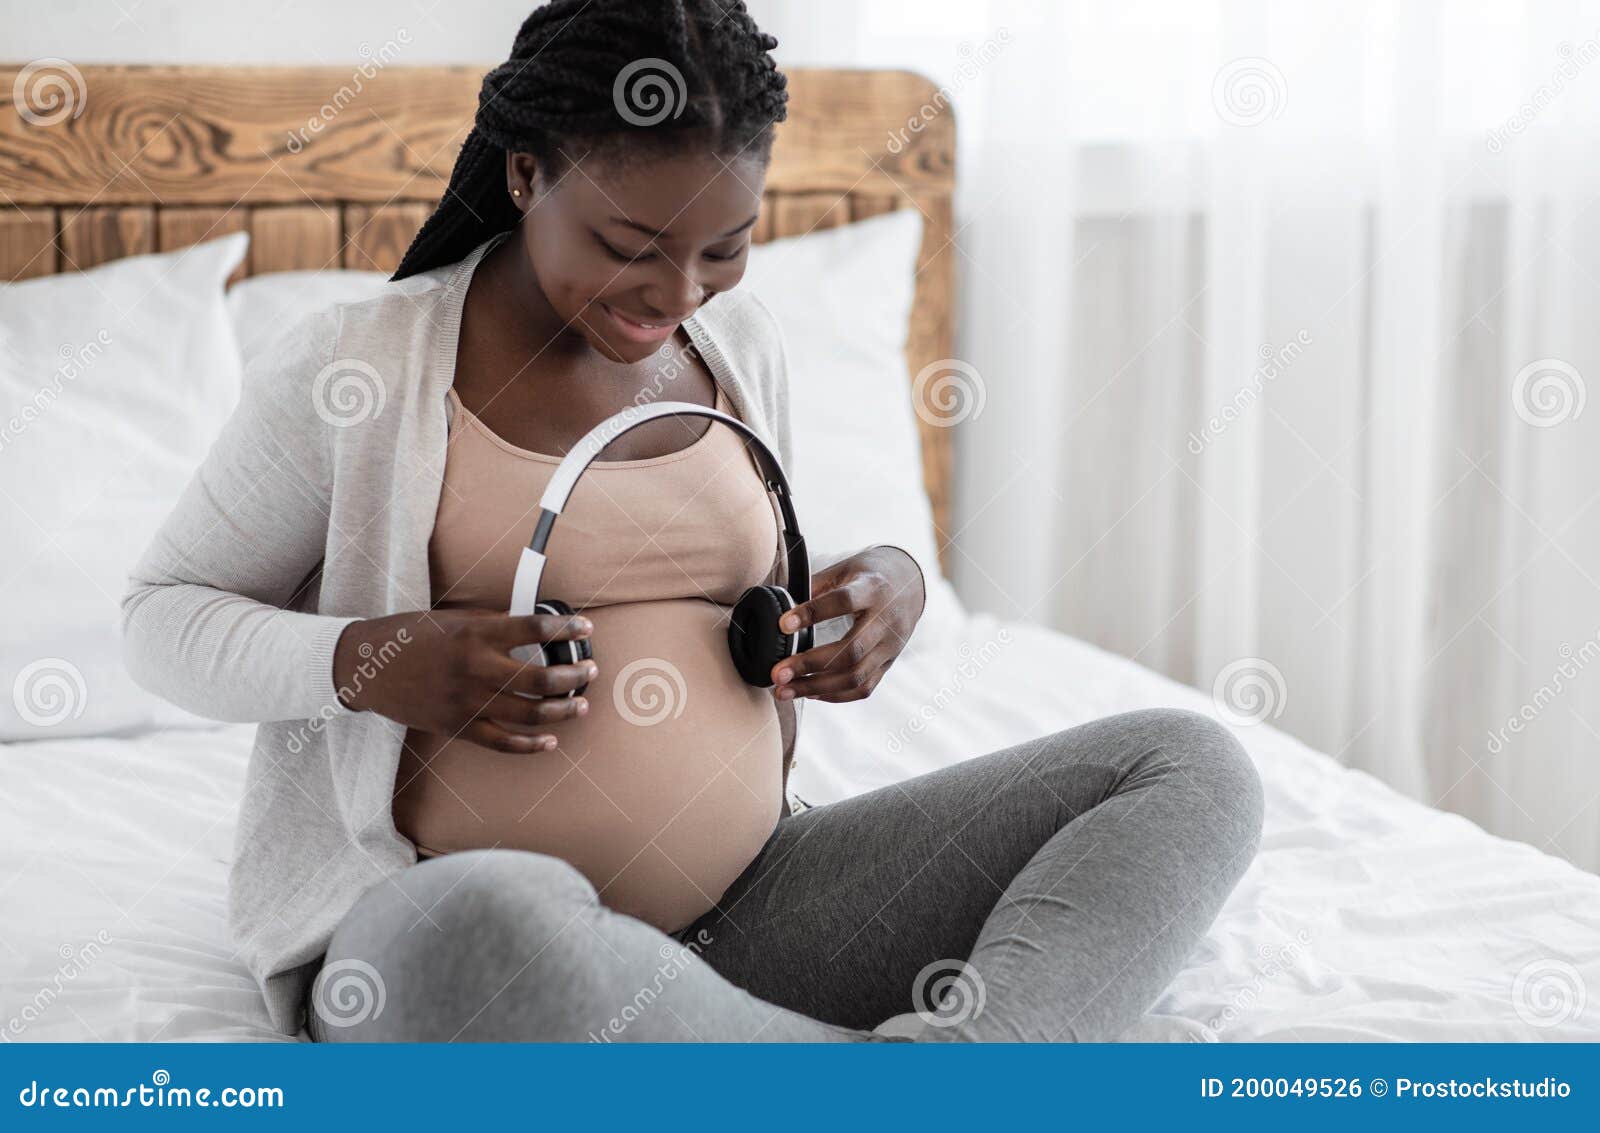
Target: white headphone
754,639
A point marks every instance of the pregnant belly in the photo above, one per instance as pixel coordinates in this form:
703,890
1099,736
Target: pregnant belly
661,795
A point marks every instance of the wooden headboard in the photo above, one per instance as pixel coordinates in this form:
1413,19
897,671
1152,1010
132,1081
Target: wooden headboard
326,168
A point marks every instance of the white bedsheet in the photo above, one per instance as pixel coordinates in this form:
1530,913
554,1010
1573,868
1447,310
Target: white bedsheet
1366,916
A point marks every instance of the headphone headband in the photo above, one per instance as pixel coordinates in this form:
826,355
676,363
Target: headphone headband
525,590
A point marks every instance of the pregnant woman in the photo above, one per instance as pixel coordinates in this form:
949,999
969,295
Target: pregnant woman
440,842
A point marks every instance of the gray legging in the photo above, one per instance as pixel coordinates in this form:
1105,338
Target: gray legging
1049,891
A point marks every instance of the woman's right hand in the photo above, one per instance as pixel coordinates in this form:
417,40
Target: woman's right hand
451,672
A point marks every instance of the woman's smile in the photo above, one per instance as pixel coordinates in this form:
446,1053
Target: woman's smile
639,330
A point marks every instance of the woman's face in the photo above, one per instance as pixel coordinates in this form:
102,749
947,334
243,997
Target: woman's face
624,254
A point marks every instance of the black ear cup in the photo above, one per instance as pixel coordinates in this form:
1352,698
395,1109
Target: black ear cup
563,652
754,639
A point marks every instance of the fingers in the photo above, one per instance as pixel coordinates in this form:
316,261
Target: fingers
852,595
839,688
487,733
531,679
513,723
508,631
534,712
492,662
854,662
849,651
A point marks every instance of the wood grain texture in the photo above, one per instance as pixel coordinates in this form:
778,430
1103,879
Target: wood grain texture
326,168
864,206
180,227
850,131
795,214
218,135
96,235
27,243
929,348
377,238
291,237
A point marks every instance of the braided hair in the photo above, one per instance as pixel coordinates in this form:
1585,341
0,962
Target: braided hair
633,76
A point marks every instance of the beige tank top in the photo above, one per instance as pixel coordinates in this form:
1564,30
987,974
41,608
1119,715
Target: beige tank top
670,785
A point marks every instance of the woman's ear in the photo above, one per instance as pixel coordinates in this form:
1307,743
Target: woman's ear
522,169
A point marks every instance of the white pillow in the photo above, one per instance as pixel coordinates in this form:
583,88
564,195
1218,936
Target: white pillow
115,380
262,307
843,298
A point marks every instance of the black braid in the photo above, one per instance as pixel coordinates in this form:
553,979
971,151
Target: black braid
554,99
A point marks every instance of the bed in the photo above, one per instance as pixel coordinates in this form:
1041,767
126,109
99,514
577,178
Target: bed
1365,916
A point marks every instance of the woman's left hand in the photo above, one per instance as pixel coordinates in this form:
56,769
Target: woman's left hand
882,590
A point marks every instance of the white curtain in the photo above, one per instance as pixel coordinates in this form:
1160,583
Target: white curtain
1286,319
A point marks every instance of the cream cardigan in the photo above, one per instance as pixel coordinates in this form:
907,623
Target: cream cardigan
313,509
